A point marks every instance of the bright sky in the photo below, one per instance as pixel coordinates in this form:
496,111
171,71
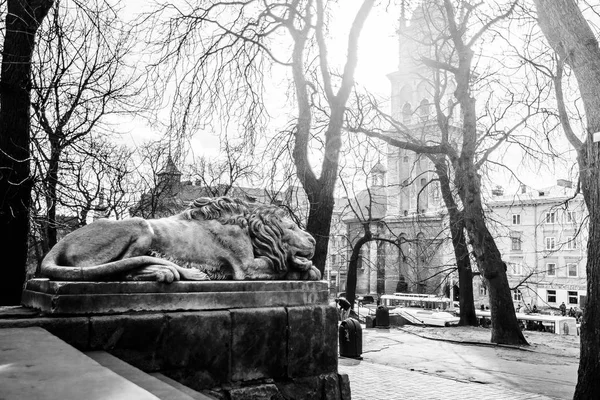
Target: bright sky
378,56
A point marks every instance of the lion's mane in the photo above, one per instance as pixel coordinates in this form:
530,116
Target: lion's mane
263,223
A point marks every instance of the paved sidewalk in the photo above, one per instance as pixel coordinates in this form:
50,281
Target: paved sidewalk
369,381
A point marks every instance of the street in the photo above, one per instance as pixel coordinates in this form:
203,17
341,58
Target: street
496,368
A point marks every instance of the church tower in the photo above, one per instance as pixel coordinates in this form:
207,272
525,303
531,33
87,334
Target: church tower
413,90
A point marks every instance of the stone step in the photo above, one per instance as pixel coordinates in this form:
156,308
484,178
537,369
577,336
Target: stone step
34,364
157,384
189,391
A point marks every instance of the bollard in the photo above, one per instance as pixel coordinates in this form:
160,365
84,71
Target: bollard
350,338
382,317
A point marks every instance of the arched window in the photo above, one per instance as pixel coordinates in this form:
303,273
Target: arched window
424,107
406,113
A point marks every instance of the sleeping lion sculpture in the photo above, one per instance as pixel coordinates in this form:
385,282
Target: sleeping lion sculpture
215,238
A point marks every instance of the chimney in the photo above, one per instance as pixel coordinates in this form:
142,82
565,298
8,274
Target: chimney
564,183
523,188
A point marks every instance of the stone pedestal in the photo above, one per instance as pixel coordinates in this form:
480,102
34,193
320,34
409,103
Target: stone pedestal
237,340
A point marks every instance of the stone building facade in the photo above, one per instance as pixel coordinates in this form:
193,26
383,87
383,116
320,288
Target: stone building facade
542,235
407,207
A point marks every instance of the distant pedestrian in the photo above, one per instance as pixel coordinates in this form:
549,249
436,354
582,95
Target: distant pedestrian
572,312
563,309
518,308
482,307
534,309
344,308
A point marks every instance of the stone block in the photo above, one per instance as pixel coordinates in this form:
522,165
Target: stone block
307,388
345,392
312,345
195,348
331,387
87,298
133,338
258,344
258,392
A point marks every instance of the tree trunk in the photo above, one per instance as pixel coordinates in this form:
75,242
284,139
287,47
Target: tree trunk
461,250
353,265
505,326
319,224
571,37
22,21
51,197
380,269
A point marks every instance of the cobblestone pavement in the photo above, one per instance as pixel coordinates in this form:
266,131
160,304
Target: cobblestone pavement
370,381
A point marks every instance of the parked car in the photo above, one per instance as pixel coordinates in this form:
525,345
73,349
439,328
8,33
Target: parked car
365,299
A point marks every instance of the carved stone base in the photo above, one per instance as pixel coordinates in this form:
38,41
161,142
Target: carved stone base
52,297
245,341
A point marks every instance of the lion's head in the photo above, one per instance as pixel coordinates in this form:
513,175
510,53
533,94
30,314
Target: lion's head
275,236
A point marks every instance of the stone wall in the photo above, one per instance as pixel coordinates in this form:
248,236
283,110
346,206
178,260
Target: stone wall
285,352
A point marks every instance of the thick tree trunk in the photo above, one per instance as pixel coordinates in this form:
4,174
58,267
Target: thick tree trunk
319,224
380,269
505,326
461,250
22,21
353,265
571,37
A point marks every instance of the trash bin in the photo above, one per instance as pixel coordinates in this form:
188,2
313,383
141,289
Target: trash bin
382,317
350,338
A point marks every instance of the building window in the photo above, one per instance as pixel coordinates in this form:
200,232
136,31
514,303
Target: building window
551,269
571,216
550,243
483,290
515,243
334,260
551,296
571,243
516,268
551,217
405,159
516,219
517,295
572,297
425,109
572,270
406,112
360,261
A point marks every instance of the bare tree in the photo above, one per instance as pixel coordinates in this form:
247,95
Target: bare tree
451,53
226,79
378,243
219,175
94,182
80,80
571,36
158,181
23,18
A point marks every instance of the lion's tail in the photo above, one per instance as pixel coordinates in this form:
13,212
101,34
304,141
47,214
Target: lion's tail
52,270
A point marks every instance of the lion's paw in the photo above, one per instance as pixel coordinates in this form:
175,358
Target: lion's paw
192,274
158,273
313,274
